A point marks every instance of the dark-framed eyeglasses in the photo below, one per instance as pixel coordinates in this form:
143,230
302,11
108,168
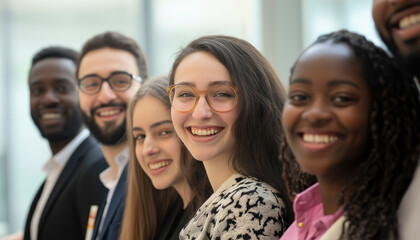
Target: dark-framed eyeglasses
221,97
118,81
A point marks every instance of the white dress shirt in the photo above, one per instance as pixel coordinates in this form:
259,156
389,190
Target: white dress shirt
110,183
53,169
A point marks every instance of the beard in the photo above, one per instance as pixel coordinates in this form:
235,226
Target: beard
70,128
409,63
111,133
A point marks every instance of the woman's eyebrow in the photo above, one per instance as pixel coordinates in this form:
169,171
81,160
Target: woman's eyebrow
300,80
336,82
157,124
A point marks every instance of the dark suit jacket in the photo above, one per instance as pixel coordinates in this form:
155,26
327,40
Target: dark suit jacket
113,219
66,211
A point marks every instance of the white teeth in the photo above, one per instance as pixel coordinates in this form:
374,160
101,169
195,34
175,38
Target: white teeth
49,116
204,132
108,113
409,21
158,165
322,139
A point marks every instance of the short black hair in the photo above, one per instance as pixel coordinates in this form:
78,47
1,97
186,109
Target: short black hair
55,52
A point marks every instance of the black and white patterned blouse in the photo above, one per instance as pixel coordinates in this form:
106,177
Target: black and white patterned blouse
242,208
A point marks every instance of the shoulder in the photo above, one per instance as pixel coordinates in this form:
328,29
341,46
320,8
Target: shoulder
249,208
91,157
248,190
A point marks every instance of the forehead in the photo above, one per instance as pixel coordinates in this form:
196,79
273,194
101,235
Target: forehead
104,61
328,59
155,109
200,69
53,69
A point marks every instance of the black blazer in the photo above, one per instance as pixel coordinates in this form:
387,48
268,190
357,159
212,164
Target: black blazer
113,219
66,211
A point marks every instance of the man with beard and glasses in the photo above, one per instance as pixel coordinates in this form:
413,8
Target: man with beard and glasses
398,24
60,209
110,70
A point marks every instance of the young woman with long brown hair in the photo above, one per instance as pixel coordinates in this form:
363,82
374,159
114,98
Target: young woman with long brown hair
160,198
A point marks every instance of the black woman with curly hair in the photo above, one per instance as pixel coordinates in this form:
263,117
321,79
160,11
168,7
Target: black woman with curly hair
351,122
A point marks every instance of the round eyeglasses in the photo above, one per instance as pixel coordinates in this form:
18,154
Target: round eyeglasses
221,97
118,81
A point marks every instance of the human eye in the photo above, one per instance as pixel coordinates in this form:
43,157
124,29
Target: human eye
166,132
36,91
343,99
139,137
90,83
184,92
223,94
298,98
222,91
120,80
63,88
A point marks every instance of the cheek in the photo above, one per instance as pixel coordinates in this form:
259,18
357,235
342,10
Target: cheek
357,122
127,95
231,117
139,155
289,117
71,101
85,103
173,147
33,102
178,120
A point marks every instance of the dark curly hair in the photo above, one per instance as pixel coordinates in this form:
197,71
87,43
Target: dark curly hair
380,181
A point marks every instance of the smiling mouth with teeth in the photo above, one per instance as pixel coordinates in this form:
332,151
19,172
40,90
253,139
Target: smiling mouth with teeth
108,113
50,116
319,138
205,132
409,21
154,166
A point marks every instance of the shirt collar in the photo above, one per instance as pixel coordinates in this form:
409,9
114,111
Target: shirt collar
308,198
61,158
106,176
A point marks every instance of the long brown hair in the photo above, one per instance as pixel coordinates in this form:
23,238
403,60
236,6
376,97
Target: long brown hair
258,131
146,207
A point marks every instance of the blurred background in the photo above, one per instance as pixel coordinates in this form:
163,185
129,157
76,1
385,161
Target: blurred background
280,29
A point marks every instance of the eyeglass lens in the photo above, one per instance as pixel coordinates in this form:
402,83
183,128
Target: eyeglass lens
221,97
118,82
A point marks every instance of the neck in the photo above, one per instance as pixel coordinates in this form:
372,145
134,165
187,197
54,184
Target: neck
56,146
110,154
330,189
218,171
184,190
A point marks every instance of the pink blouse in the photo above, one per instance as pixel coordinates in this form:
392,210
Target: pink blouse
310,222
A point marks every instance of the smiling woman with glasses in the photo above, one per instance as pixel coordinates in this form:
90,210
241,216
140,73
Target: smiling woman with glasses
118,81
226,108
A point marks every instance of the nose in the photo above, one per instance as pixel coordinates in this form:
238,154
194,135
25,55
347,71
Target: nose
50,97
149,147
202,110
106,94
317,114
